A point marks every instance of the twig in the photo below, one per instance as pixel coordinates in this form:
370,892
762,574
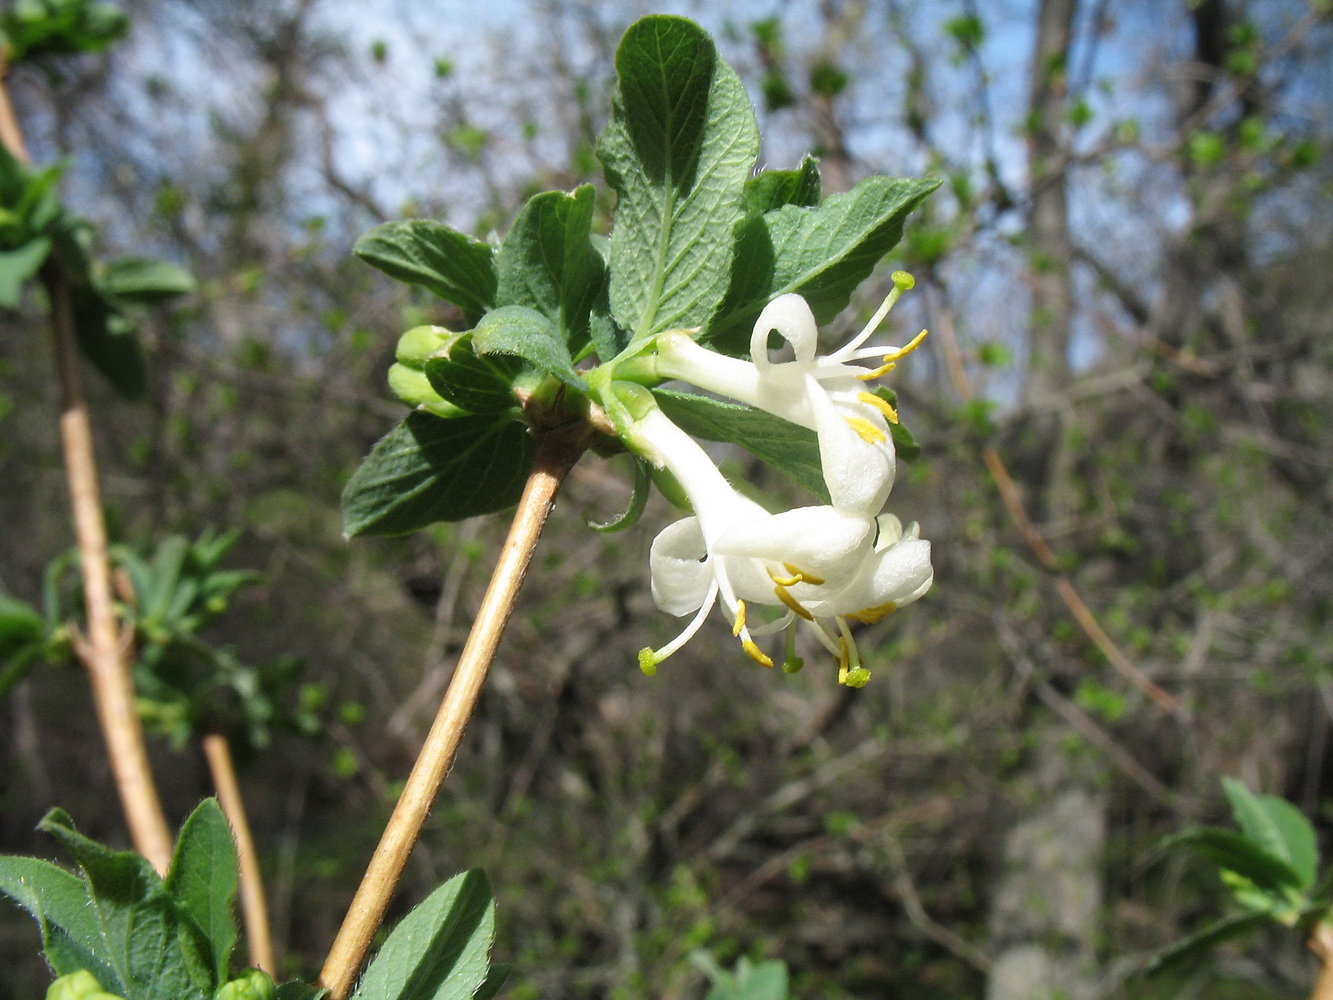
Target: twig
1079,720
556,454
254,910
104,659
1321,943
1013,504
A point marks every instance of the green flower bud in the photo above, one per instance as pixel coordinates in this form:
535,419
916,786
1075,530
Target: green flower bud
413,388
252,984
81,985
420,342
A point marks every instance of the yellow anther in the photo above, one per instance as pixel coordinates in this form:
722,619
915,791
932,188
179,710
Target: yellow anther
875,373
786,581
867,431
912,345
756,653
792,602
868,616
810,578
844,660
883,405
737,628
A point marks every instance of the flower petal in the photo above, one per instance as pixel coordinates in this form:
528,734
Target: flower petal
681,574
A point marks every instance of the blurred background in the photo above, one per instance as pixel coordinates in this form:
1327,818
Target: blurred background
1126,275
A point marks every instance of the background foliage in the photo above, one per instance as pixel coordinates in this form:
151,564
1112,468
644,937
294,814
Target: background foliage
1123,274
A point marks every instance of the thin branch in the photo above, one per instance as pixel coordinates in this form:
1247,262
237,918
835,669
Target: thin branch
254,909
556,454
104,656
1013,504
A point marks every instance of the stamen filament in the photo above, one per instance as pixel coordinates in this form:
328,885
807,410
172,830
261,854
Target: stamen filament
792,602
810,578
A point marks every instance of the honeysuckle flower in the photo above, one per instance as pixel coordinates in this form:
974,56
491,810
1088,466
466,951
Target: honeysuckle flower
823,565
825,393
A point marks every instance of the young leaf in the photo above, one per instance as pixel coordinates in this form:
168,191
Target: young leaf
527,334
823,253
774,188
58,901
677,151
439,951
145,282
1278,827
427,469
1238,853
150,951
451,264
1200,942
17,266
548,262
203,880
115,354
783,445
470,382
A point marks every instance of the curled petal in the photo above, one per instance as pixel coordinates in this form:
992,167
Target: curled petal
678,564
790,316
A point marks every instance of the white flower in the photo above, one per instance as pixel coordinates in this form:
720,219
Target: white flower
821,564
824,393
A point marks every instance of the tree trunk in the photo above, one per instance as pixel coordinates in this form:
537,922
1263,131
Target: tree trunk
1044,916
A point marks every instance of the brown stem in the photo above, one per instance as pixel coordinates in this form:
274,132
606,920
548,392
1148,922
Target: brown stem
1321,943
104,655
556,455
253,908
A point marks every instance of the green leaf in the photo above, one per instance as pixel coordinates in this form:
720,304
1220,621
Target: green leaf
677,151
451,264
525,333
439,951
1238,853
59,902
146,282
1278,827
783,445
17,266
470,382
1197,944
638,500
774,188
822,253
116,355
495,980
20,624
203,880
427,469
549,264
152,953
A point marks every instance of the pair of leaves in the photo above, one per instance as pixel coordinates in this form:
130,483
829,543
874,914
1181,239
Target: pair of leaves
141,936
1270,865
697,243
